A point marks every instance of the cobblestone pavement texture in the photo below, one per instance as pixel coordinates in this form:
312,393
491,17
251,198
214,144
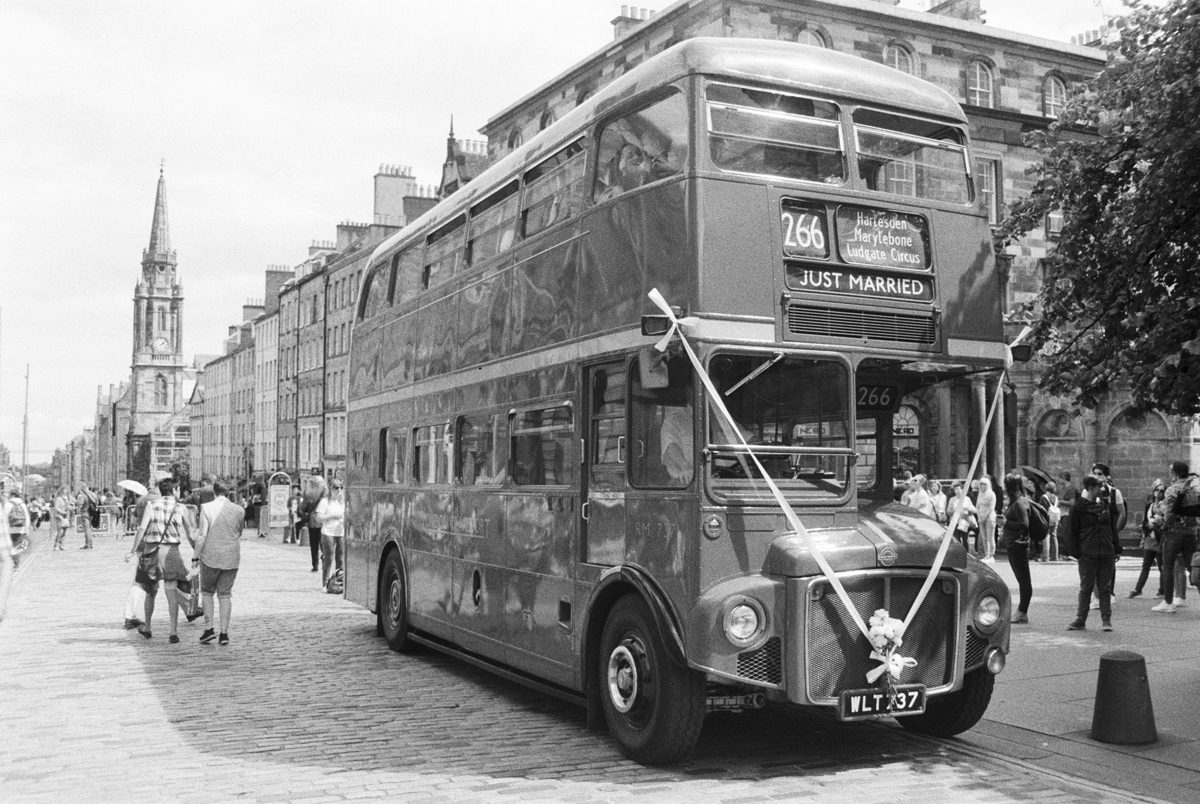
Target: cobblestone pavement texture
306,704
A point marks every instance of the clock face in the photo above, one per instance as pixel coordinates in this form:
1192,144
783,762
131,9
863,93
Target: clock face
160,345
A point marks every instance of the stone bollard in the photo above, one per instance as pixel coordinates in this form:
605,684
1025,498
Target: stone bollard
1123,714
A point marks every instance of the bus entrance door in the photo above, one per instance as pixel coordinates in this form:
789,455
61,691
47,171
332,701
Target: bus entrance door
602,528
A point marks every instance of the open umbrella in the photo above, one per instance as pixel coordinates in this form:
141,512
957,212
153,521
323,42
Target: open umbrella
34,478
132,485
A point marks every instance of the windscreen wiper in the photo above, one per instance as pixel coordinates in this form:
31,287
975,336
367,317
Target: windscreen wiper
766,365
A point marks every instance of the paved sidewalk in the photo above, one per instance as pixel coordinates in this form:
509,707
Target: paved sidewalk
306,704
1045,700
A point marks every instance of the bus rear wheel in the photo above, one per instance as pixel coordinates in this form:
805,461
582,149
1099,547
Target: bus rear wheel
393,605
957,712
654,707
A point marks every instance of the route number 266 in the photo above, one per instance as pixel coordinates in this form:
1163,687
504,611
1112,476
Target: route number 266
877,397
803,233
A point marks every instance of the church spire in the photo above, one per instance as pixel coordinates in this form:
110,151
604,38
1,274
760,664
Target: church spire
159,249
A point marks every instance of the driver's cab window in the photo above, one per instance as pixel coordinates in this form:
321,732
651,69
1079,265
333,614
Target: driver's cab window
642,148
661,425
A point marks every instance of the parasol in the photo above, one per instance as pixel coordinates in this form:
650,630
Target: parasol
34,478
132,485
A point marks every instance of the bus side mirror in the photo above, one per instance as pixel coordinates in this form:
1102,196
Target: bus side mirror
1022,352
655,325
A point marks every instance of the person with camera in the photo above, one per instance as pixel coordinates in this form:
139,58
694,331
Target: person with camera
1092,541
1179,530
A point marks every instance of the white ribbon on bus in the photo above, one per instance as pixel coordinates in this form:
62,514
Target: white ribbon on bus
894,664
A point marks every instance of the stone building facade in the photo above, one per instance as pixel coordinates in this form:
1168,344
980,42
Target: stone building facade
1009,84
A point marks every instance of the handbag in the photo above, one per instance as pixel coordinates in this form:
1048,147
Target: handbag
148,571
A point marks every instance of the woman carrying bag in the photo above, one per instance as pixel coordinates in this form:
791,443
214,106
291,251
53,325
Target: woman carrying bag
1152,521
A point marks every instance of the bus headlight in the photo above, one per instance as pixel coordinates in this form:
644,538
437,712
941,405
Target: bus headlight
987,612
744,622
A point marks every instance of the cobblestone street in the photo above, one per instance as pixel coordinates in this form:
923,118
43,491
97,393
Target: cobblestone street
306,704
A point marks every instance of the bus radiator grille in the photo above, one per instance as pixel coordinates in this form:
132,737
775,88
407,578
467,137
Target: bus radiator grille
762,665
871,324
839,656
976,647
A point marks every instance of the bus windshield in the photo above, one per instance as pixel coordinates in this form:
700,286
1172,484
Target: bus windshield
795,415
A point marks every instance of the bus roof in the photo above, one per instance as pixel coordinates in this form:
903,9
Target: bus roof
786,65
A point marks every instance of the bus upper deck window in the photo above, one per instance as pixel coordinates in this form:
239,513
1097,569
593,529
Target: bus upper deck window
911,156
642,148
773,134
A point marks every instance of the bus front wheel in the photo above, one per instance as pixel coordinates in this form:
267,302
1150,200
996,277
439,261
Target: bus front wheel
393,605
955,713
654,708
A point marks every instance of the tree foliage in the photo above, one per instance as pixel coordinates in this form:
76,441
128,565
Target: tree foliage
1121,296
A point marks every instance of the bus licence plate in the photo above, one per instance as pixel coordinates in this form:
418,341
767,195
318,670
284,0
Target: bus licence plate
873,702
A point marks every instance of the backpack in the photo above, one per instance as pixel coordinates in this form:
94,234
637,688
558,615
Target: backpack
1039,525
16,517
336,584
1187,509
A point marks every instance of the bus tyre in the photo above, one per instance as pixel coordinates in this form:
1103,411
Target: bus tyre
955,713
392,617
654,708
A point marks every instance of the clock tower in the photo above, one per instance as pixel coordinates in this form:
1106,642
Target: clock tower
157,369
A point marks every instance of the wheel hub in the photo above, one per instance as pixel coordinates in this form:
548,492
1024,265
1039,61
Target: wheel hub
394,592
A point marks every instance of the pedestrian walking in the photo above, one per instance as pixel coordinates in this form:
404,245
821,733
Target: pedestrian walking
89,505
60,517
218,553
135,601
292,535
16,513
1152,523
939,500
6,567
985,508
308,505
1049,501
1092,540
1179,531
1017,543
330,517
163,528
961,504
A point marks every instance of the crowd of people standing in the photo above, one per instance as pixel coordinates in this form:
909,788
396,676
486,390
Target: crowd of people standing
1083,527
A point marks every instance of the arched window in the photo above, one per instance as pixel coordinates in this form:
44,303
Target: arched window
546,119
514,139
812,36
900,57
979,83
160,390
1054,96
583,95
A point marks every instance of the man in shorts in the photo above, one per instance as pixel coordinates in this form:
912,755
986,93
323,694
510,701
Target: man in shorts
218,550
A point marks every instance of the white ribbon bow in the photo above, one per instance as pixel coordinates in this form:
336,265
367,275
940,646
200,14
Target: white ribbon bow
893,663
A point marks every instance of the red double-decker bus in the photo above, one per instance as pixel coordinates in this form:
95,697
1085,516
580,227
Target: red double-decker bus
535,486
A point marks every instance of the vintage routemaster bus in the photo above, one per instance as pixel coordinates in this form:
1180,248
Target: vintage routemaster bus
535,487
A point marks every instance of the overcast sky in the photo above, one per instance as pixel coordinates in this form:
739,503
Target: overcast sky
272,118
